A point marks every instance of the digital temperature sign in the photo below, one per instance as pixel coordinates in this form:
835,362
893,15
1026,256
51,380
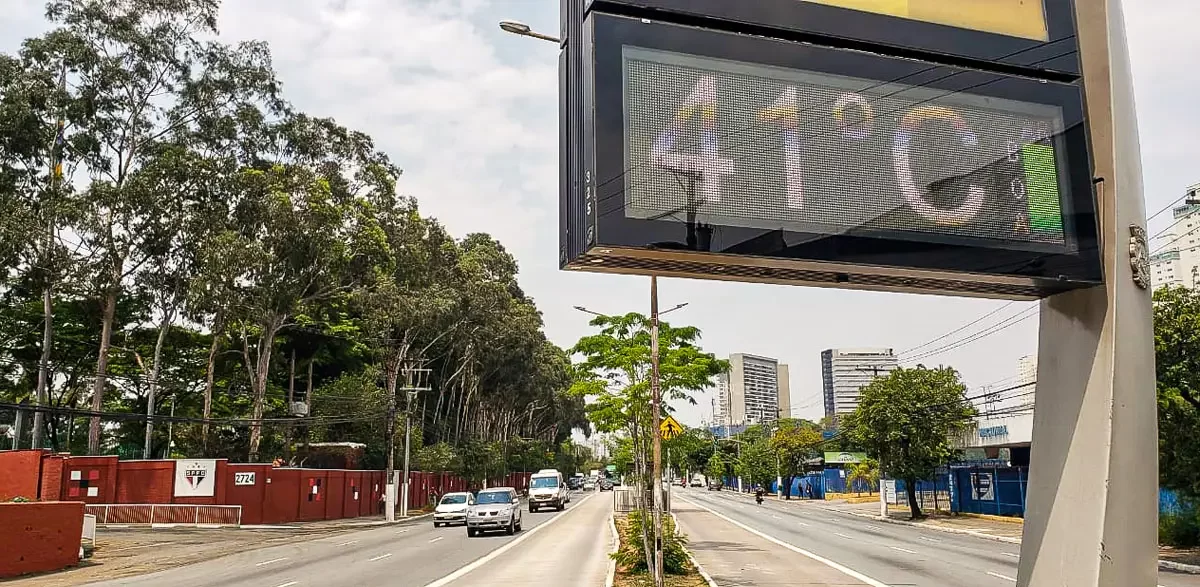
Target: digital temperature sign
827,154
717,154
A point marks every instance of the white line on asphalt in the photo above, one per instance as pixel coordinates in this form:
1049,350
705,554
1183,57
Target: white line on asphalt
402,531
288,584
274,560
347,543
776,517
998,575
436,539
802,524
843,535
615,544
844,569
928,539
903,549
876,528
483,560
1012,554
379,558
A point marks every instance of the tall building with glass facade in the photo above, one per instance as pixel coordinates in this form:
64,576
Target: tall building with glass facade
845,371
756,390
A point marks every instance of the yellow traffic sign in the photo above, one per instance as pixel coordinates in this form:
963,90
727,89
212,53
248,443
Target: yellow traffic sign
669,428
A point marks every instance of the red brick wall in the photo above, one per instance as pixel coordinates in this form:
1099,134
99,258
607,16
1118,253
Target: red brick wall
52,477
41,536
97,472
20,471
252,498
145,482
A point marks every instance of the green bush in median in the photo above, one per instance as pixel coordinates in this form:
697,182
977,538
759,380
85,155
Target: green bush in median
632,552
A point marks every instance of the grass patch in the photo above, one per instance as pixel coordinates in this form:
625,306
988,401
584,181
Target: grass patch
631,562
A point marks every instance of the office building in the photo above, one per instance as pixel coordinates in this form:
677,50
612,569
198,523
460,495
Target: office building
1176,258
756,390
845,371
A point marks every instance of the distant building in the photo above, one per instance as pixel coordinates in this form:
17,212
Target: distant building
1176,260
845,371
756,390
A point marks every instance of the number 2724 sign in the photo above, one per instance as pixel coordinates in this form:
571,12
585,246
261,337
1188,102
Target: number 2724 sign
243,478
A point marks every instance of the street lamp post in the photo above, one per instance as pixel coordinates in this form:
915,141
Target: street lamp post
517,27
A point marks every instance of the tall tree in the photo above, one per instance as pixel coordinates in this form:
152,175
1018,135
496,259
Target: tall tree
795,442
906,421
1177,362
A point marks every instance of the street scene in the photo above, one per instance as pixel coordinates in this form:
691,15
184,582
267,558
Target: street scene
620,293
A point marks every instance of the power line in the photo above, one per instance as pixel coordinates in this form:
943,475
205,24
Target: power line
957,330
1005,324
79,412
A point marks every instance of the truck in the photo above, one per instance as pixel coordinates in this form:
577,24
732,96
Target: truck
548,490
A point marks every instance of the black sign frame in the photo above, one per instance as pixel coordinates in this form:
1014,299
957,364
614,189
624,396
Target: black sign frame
835,26
945,267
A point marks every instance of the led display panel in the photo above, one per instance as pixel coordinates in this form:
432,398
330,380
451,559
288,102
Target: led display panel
714,154
1017,18
818,153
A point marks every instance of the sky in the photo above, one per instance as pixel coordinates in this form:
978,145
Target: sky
470,113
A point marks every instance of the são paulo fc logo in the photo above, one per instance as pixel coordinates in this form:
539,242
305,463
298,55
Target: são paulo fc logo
195,475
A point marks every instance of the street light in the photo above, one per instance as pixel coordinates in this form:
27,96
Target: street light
517,27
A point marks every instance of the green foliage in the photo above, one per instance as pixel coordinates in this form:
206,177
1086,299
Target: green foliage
715,468
795,442
1177,366
631,554
437,457
905,421
866,472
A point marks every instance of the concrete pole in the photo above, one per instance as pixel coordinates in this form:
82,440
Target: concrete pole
1092,511
656,420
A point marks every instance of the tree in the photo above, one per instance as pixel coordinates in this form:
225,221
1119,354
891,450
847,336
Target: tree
1177,366
795,442
715,468
863,473
906,420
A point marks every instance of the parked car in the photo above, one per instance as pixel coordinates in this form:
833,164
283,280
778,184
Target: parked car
497,508
547,489
452,509
606,485
589,484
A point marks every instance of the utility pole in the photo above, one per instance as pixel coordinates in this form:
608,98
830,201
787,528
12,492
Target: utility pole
389,498
47,263
415,381
656,420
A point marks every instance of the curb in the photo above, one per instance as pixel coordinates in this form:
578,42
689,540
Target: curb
616,545
699,569
1179,567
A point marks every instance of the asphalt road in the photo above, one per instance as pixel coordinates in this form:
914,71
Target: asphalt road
888,554
408,555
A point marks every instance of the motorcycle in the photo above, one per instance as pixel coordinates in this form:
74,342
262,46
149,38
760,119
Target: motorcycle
758,497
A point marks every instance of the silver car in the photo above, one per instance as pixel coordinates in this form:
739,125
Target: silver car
497,508
452,509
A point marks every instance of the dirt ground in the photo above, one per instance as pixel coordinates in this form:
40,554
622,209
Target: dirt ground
125,552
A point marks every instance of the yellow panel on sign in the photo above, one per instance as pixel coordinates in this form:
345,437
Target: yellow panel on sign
1016,18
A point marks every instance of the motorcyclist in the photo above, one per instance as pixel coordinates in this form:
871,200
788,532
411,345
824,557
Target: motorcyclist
758,493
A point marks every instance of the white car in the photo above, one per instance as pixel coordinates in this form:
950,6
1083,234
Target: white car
452,509
497,508
547,490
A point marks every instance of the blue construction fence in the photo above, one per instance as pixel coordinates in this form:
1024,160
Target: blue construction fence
989,490
810,486
835,482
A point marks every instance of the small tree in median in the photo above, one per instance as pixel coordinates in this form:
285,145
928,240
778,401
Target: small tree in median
905,421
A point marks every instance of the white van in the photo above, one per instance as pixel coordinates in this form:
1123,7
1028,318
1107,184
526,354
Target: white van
547,489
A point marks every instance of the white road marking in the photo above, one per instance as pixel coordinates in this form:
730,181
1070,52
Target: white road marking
479,562
870,527
844,569
347,543
802,524
274,560
436,539
999,576
928,539
776,517
288,584
379,558
903,549
843,535
402,531
1012,554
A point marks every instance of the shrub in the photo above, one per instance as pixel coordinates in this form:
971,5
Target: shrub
632,553
1180,527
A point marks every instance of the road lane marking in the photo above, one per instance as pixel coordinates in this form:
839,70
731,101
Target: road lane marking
776,517
436,539
927,539
999,576
802,524
274,560
288,584
483,560
1014,555
614,546
876,528
379,558
837,566
347,543
843,535
903,549
402,531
